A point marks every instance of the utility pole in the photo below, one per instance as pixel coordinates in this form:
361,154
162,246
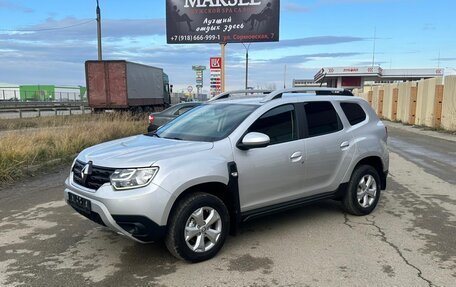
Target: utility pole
100,57
285,77
247,47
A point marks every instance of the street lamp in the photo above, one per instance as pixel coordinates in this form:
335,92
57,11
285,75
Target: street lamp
99,31
247,48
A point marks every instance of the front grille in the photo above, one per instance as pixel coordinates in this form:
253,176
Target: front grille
99,176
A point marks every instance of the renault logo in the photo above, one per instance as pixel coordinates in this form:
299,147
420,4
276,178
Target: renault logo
86,171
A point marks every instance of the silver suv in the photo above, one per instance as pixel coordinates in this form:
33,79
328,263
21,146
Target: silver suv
197,178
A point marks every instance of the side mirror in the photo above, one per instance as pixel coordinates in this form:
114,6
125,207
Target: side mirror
254,140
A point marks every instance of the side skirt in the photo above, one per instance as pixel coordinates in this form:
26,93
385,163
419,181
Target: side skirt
263,211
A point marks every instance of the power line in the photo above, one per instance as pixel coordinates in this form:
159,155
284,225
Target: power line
49,29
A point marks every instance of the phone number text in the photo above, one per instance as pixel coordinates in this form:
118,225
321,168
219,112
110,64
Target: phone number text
186,38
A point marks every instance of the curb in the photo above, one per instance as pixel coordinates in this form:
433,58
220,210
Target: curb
421,130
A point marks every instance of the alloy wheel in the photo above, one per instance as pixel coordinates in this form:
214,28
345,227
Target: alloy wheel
367,191
203,229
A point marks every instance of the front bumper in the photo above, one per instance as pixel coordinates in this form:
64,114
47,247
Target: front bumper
140,214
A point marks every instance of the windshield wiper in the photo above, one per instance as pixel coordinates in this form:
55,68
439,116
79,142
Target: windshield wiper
175,138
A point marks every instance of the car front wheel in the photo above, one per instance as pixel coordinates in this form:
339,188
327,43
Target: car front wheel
198,227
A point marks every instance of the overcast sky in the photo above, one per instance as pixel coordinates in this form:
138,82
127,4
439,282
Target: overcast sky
313,34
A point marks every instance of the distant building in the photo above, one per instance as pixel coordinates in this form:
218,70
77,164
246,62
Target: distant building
358,77
306,83
9,92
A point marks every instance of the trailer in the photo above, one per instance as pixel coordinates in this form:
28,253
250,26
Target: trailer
123,85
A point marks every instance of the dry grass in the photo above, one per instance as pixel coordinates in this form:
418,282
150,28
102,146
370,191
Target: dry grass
60,138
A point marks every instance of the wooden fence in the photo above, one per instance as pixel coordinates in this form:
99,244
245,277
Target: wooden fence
430,102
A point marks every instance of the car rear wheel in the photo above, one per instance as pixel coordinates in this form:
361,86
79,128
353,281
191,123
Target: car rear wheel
363,191
198,228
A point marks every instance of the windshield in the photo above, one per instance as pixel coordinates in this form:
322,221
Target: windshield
206,122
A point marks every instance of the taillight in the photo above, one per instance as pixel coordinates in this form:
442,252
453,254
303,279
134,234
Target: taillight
151,119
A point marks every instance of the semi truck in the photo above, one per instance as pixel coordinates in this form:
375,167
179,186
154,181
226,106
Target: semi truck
123,85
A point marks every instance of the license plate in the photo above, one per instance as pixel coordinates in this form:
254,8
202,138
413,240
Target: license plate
79,203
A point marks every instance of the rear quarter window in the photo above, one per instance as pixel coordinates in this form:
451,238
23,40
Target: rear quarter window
355,114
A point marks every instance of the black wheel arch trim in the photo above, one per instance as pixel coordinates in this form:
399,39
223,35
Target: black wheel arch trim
233,189
383,180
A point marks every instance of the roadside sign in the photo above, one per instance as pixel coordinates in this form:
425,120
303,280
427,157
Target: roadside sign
215,65
216,62
199,71
190,89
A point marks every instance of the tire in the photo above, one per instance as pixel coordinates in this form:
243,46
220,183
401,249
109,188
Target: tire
185,227
363,192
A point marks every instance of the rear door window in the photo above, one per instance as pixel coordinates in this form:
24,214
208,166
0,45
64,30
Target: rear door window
355,114
322,119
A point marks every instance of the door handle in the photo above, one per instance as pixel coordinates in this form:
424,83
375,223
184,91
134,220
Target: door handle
344,145
297,156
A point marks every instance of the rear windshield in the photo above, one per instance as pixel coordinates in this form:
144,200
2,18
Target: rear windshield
209,122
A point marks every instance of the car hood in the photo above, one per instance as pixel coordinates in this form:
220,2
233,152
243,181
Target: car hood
139,151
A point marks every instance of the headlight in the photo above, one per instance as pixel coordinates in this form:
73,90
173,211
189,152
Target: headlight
132,178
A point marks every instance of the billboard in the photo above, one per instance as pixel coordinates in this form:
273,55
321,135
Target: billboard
222,21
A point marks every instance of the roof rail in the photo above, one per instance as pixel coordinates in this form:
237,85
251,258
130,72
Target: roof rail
226,95
319,91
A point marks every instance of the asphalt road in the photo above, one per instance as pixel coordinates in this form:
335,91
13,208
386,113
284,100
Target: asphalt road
410,239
